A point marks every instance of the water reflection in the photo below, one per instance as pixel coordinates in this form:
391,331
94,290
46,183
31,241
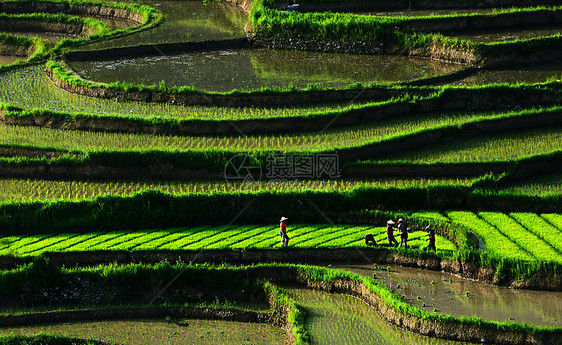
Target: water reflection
248,69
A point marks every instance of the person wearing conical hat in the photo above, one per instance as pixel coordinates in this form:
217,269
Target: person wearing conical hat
390,234
283,232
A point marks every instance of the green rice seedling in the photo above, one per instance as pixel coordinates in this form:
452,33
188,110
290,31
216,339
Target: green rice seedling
241,236
316,237
542,228
341,238
127,243
549,184
499,147
20,246
47,190
496,242
35,90
197,237
173,235
554,219
46,244
124,237
348,137
95,241
431,215
72,241
518,234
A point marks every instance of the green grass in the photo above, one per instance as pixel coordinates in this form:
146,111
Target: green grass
208,238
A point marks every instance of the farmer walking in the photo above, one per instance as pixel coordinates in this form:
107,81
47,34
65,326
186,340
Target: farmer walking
390,233
403,228
431,239
283,232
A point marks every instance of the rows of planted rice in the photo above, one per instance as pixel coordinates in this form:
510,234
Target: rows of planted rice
29,87
208,238
522,236
523,143
51,190
504,146
355,136
157,332
540,185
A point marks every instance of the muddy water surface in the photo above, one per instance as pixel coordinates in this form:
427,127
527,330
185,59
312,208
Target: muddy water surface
336,319
449,294
247,69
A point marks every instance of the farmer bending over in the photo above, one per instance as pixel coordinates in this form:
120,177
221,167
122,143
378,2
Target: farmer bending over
370,240
390,233
283,232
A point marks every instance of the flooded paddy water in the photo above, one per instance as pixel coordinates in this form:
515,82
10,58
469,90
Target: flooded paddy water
335,319
247,69
186,21
452,295
150,332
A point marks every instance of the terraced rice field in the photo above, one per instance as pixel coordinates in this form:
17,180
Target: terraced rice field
29,88
340,319
521,236
48,190
208,238
141,332
505,146
332,92
371,133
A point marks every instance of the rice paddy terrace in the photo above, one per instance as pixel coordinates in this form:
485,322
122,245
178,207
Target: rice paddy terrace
148,149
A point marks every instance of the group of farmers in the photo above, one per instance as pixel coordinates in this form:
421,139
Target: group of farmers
403,228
